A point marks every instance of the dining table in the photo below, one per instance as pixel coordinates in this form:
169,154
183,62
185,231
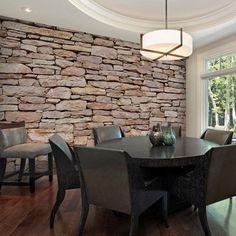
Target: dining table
185,152
164,160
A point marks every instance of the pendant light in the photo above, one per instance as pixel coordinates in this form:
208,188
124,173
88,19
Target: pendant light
166,44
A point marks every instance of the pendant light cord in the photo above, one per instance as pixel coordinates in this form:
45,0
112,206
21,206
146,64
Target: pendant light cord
166,14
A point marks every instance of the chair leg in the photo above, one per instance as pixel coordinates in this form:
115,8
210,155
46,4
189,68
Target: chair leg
22,168
83,217
60,198
3,164
203,219
50,167
165,209
32,174
133,225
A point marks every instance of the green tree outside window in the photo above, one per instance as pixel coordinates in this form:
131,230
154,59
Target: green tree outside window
222,94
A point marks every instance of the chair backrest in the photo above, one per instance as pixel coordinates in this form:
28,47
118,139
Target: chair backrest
102,134
105,176
12,136
221,182
64,159
220,137
176,129
7,125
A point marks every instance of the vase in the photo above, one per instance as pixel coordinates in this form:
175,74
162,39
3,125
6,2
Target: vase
169,137
156,135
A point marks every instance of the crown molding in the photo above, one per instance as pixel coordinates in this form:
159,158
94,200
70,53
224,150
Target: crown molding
106,16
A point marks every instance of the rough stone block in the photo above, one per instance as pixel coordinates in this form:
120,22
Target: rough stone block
102,106
64,53
76,48
72,105
14,68
23,90
4,107
8,100
59,92
34,99
28,117
103,42
73,71
7,43
105,52
63,63
41,71
36,107
36,30
39,43
30,48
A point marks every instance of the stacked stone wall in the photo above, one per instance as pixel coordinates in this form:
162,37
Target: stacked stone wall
67,82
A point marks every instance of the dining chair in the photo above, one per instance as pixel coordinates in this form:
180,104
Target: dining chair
177,129
14,145
207,183
67,171
7,125
111,179
220,137
105,133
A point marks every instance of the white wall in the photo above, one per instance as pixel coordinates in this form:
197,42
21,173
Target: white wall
196,99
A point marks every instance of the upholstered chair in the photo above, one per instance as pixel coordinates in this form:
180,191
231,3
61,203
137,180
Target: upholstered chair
105,133
220,137
67,171
13,144
207,183
110,179
7,125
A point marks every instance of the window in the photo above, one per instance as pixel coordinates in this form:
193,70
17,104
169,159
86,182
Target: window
220,73
221,63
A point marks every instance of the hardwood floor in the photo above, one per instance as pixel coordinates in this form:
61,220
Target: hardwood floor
23,214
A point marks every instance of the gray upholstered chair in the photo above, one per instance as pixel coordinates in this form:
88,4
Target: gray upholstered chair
176,129
207,183
7,125
220,137
13,144
111,179
105,133
67,171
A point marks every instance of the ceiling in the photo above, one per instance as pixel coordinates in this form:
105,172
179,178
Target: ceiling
154,9
205,20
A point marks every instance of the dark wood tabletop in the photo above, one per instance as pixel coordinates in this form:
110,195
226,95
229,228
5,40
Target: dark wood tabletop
186,151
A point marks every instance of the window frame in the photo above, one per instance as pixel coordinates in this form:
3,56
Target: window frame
206,76
195,86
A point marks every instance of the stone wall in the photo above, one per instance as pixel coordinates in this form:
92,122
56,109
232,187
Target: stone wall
69,82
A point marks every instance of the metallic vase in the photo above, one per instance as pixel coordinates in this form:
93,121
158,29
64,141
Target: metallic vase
156,135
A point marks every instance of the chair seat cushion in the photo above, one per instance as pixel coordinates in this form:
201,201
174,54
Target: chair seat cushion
26,150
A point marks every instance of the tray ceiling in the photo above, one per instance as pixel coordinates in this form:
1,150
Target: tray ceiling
154,9
136,16
206,20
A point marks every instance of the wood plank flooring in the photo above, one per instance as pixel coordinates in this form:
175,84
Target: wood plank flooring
23,214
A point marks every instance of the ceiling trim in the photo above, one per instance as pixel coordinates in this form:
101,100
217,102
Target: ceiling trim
104,15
